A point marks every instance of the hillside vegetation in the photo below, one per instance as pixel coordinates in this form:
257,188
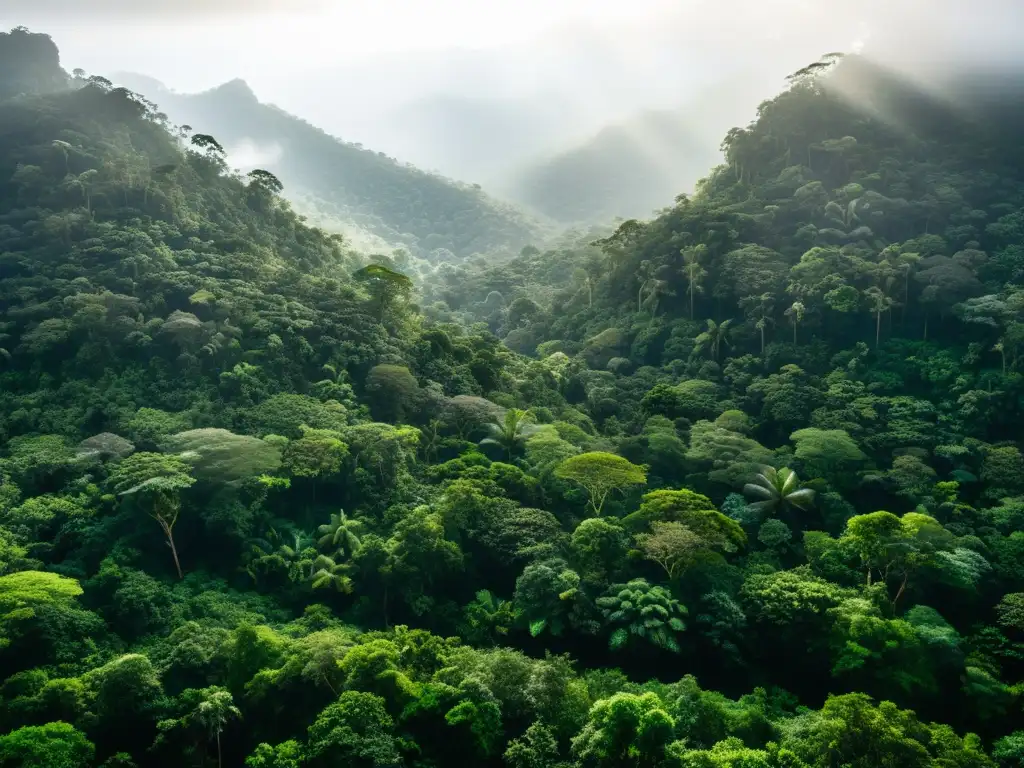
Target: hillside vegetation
405,206
717,501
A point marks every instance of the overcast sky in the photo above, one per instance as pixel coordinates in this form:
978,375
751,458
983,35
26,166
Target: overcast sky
193,44
261,38
385,72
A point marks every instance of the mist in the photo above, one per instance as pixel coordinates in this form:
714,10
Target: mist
486,95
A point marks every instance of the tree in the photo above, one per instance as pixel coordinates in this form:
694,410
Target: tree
385,286
487,619
394,392
318,453
538,748
105,446
54,745
24,595
341,535
713,337
288,754
598,548
1010,611
796,315
546,596
215,710
468,412
894,548
759,309
265,182
880,302
355,731
693,510
158,480
513,429
725,450
63,147
673,546
221,456
625,729
778,490
637,609
326,573
693,271
831,453
207,143
601,473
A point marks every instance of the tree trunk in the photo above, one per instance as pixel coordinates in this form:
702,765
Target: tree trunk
174,551
220,762
762,341
926,326
899,594
794,332
878,327
691,299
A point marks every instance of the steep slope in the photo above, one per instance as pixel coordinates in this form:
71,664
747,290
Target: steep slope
139,272
395,201
632,168
860,206
29,63
261,560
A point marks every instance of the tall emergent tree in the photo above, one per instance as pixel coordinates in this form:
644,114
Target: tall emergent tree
157,479
385,286
601,473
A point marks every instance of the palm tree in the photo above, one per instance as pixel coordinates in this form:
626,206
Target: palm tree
713,337
1000,347
644,274
880,302
511,431
271,555
795,314
693,271
325,573
778,490
214,712
341,534
760,307
63,147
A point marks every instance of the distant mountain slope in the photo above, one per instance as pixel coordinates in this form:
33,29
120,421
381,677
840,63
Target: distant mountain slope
485,140
634,167
29,64
394,201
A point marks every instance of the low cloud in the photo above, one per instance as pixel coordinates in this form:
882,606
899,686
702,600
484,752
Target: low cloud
248,154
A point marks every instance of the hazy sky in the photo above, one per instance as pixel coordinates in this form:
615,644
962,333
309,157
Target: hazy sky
259,39
404,76
194,44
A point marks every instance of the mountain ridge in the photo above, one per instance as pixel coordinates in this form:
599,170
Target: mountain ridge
402,204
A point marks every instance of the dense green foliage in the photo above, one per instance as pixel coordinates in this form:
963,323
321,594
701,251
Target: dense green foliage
419,211
259,508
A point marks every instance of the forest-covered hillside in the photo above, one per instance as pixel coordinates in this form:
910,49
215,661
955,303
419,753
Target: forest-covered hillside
368,190
719,500
637,166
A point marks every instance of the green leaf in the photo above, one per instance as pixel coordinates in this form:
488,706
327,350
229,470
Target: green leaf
618,639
